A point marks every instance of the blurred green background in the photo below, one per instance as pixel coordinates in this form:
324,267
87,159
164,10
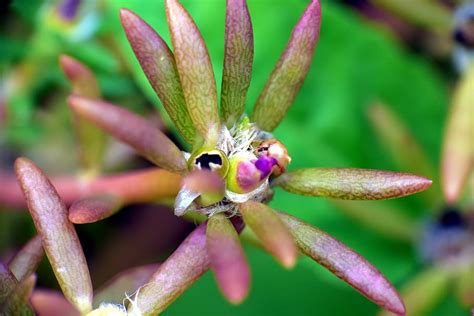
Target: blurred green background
357,61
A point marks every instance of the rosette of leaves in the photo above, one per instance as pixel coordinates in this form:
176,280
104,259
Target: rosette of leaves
444,234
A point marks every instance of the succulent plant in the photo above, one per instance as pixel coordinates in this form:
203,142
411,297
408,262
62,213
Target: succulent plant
226,179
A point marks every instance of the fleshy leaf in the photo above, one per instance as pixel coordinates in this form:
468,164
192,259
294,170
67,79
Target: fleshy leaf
93,209
401,144
465,284
289,73
238,58
425,291
25,262
227,258
458,148
273,234
159,66
126,282
345,264
52,303
132,129
12,300
91,140
352,184
387,220
59,237
195,71
175,275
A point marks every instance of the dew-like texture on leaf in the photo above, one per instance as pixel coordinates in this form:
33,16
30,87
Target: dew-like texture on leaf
93,209
59,237
290,71
175,275
195,70
52,303
25,262
273,234
345,264
238,58
128,281
227,258
458,146
352,184
13,295
159,66
91,140
132,129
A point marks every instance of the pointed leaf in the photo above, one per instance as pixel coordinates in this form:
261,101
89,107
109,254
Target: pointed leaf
273,234
27,259
175,275
227,258
289,73
52,303
425,291
345,264
401,144
195,71
132,129
93,209
352,184
238,58
386,220
159,66
91,140
458,148
13,295
124,283
59,237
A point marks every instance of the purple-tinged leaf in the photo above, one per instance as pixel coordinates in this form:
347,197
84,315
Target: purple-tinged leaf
13,295
25,262
58,235
124,283
458,148
387,220
91,140
132,129
401,144
426,290
159,66
465,284
238,58
352,184
227,258
95,208
345,264
175,275
289,73
271,231
52,303
195,71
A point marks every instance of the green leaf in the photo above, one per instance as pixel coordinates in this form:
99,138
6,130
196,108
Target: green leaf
25,262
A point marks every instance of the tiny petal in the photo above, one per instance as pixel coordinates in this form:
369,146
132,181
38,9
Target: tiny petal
133,130
352,184
195,71
227,258
25,262
345,264
290,71
159,66
59,237
458,148
238,58
271,231
128,281
91,140
175,275
93,209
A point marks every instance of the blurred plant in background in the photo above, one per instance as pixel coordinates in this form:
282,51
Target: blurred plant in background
342,85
